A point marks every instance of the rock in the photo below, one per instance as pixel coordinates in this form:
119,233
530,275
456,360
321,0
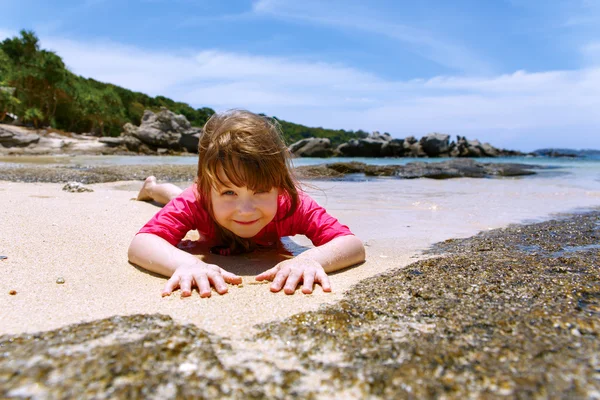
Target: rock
312,147
163,129
457,168
489,150
11,136
369,146
393,148
435,144
76,187
189,140
17,140
412,147
112,141
360,148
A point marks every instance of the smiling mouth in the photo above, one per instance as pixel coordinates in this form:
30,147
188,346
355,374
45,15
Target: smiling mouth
245,222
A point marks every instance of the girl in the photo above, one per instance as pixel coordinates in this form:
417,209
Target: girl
244,196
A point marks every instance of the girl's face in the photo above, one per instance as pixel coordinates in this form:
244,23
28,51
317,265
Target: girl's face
242,211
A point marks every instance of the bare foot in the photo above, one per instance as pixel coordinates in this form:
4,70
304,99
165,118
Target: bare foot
144,194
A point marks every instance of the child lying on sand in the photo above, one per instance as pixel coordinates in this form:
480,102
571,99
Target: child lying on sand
244,196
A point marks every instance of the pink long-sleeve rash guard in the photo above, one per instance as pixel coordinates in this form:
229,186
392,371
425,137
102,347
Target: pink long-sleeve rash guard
185,213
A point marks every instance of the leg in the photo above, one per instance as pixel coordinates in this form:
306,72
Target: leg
159,192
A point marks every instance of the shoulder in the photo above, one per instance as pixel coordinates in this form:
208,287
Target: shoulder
188,202
284,203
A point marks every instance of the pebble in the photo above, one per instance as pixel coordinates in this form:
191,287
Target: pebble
60,280
3,257
12,292
76,187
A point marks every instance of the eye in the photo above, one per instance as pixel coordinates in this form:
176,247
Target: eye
228,193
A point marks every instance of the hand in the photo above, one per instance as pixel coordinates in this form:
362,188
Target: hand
291,272
201,275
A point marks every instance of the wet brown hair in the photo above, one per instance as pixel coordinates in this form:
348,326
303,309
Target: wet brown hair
251,152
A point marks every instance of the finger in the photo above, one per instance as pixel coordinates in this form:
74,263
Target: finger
218,282
280,279
292,282
268,274
323,279
185,284
231,277
171,285
308,279
203,285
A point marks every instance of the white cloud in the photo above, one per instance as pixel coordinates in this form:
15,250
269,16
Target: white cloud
591,52
520,110
435,47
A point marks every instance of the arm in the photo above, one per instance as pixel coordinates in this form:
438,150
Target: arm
339,253
155,254
313,265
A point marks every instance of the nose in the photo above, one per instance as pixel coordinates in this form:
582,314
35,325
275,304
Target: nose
246,206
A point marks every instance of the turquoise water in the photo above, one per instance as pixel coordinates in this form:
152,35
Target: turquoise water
584,162
580,168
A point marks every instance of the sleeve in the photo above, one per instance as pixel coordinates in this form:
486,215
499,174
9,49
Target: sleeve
312,220
177,218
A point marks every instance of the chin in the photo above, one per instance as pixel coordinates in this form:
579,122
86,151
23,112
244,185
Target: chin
246,235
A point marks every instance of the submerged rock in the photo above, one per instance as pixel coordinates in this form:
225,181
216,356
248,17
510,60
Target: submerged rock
512,312
457,168
182,173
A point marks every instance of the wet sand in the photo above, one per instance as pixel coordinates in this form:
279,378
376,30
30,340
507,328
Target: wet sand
82,238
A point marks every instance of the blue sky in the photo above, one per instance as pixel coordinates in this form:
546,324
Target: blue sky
520,74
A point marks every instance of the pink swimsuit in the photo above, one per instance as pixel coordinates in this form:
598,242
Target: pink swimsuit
185,213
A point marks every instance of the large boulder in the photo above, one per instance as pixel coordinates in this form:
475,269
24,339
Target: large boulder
369,146
17,137
312,147
474,148
162,130
190,139
435,144
393,148
412,147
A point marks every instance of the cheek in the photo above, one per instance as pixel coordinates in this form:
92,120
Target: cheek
220,208
270,207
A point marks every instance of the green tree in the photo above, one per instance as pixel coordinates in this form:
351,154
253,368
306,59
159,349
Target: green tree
8,103
33,115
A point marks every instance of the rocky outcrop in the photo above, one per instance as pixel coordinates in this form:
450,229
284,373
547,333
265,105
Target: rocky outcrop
430,145
17,140
365,147
165,132
312,147
16,137
458,168
161,132
435,144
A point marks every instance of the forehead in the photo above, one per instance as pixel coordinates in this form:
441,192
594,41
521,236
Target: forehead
250,173
222,179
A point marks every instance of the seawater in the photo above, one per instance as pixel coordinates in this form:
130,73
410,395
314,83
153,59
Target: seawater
420,211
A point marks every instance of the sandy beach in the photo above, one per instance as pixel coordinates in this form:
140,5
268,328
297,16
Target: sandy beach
48,234
511,311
